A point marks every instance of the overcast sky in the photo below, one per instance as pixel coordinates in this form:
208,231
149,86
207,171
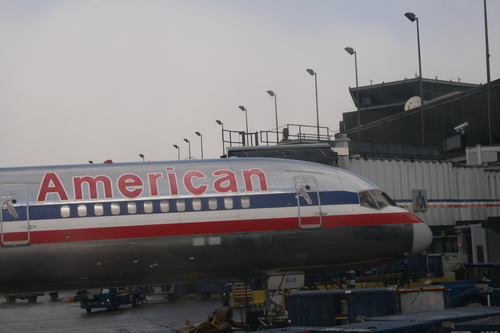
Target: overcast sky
110,79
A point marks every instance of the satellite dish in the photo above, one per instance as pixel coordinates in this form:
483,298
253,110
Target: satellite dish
413,102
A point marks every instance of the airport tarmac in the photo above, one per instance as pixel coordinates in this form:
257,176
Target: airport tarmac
158,315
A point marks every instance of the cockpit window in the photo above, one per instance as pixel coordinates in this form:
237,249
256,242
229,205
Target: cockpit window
388,199
375,199
366,200
379,199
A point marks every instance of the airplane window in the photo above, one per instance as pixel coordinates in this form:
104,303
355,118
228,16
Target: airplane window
164,206
148,206
82,210
65,211
115,208
98,209
198,241
214,240
212,203
196,204
131,207
181,205
366,200
228,203
388,199
379,199
245,202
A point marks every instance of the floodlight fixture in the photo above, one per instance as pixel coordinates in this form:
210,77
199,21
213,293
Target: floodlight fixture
350,50
410,16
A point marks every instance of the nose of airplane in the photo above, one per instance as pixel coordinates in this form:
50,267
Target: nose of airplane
422,238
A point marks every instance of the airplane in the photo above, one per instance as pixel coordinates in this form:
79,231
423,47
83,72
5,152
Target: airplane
148,223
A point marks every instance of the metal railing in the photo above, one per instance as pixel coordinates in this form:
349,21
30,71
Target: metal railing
297,133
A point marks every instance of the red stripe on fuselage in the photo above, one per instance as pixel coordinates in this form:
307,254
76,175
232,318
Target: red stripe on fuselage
208,228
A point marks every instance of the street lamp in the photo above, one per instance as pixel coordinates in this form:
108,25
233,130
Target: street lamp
222,124
189,145
178,152
412,17
142,156
242,108
201,138
488,76
351,51
272,94
313,73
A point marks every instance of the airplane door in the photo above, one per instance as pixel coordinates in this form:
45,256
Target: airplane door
308,202
14,219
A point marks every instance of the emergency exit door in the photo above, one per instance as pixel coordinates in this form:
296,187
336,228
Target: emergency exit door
308,202
15,218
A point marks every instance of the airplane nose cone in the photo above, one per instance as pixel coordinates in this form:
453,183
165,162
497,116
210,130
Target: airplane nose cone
422,238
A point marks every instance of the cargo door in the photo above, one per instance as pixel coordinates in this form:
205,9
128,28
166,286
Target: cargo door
308,202
15,218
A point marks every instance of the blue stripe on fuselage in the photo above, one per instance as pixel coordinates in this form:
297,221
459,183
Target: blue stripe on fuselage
53,211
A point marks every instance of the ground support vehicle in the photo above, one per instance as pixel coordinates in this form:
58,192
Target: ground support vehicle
205,289
111,298
173,291
31,297
479,285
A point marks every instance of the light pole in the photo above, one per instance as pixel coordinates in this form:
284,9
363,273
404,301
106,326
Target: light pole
201,138
412,17
272,94
189,145
313,73
142,156
222,124
178,152
351,51
488,76
242,108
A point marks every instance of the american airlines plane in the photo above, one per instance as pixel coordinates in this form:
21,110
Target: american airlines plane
102,225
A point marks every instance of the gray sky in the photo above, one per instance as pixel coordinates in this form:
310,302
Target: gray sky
109,79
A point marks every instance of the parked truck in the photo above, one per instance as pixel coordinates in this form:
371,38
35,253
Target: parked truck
111,298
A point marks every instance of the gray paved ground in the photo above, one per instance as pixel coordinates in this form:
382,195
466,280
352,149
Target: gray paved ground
57,316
